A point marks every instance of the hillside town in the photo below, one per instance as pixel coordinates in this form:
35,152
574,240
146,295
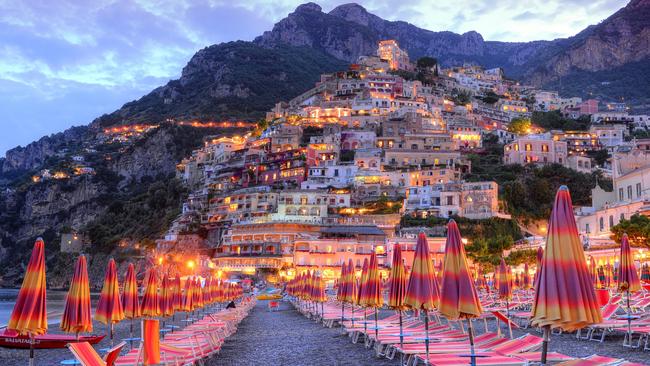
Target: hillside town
329,174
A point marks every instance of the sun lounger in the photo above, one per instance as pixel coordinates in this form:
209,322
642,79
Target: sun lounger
87,356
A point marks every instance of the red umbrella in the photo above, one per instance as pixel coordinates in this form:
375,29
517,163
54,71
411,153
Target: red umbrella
526,279
538,270
458,296
628,280
167,296
565,296
29,315
420,293
76,316
397,287
372,296
109,307
150,303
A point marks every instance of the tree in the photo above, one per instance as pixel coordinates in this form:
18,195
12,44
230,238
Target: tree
518,257
637,229
426,62
490,97
600,156
520,126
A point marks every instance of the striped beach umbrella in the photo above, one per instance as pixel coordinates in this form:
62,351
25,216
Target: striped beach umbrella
504,285
109,307
340,295
351,286
362,283
397,288
526,277
130,302
188,297
198,293
29,316
207,292
167,296
76,316
372,295
458,296
420,292
538,269
150,304
628,280
593,271
565,297
645,273
177,294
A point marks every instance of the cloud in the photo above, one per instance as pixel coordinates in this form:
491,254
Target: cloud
66,62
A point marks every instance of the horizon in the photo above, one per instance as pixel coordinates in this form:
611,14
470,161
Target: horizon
64,66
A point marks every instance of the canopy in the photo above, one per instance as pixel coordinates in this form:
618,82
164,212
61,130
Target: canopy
76,313
130,301
628,280
397,281
109,307
420,293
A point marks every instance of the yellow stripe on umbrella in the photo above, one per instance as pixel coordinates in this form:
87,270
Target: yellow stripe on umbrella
362,283
150,303
29,315
628,279
167,296
188,296
565,297
130,302
76,316
397,281
109,307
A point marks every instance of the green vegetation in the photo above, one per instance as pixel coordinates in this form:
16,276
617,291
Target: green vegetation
426,62
518,257
143,214
255,79
384,205
637,229
460,97
490,97
554,121
520,126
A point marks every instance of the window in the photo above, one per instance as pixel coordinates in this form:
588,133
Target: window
545,148
611,221
621,196
529,147
638,189
601,224
629,192
622,217
450,200
587,229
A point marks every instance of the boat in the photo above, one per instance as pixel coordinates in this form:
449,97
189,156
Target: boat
9,339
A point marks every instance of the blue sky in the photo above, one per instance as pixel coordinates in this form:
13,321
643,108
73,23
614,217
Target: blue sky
65,62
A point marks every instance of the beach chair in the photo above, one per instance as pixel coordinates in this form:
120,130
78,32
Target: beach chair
87,356
593,360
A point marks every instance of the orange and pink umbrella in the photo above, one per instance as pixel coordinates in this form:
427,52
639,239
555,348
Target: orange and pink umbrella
109,307
397,288
565,296
167,296
458,296
150,303
29,316
130,301
420,292
628,279
372,295
76,316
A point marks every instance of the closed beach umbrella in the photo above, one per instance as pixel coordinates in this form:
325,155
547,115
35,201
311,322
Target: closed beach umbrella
526,277
150,302
76,316
188,297
29,316
538,270
167,296
130,302
565,297
340,295
397,288
628,280
198,293
109,307
207,292
362,283
458,296
420,293
372,296
177,294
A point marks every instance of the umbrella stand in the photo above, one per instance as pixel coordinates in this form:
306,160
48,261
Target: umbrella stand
342,307
110,331
629,318
426,332
470,331
322,311
547,334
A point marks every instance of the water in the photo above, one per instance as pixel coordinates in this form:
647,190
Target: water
55,304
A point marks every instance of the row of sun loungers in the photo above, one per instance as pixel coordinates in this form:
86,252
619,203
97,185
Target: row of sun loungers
190,345
448,341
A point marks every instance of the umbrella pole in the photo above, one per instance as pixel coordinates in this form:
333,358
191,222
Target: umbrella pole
508,316
426,331
547,333
401,338
342,307
376,328
470,330
352,315
31,350
111,333
629,319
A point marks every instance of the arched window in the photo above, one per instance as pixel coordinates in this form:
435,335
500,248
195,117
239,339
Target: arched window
601,224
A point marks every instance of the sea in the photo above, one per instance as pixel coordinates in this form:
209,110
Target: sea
55,304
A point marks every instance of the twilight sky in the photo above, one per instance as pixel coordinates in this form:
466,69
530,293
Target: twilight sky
65,62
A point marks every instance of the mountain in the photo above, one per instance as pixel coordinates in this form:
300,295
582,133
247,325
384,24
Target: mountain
349,31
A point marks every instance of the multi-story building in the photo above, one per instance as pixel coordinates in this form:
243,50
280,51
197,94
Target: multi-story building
535,149
476,200
397,58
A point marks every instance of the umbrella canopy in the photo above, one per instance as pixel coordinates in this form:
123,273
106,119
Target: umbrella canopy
167,296
150,303
109,307
188,297
420,292
458,297
628,280
538,270
526,277
351,287
198,293
362,282
177,294
593,271
76,313
340,291
207,292
318,290
130,301
397,281
565,297
372,296
504,281
29,315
